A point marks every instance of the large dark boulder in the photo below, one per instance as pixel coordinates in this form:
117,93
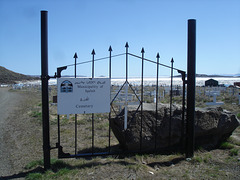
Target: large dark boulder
211,127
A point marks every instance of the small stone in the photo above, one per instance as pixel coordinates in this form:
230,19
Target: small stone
143,161
91,173
188,159
151,172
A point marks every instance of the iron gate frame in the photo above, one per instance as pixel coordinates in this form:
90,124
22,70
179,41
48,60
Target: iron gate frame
190,82
62,154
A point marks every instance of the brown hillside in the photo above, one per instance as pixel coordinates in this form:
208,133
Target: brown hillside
10,77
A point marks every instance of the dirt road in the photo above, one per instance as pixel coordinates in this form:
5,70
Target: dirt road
8,104
19,136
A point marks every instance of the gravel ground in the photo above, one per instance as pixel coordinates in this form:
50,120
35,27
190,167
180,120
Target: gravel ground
8,103
19,137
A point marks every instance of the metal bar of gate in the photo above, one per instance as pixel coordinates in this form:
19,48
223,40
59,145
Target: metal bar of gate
155,146
93,53
142,99
58,124
171,96
75,75
183,109
109,117
126,91
126,46
45,100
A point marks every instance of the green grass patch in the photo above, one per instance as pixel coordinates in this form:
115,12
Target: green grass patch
82,122
55,175
51,174
207,157
58,169
238,115
233,152
33,176
55,164
203,158
233,141
36,114
34,164
197,159
58,164
226,145
134,167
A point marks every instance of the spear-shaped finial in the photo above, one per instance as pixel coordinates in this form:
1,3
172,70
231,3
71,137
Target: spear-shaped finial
110,48
75,55
126,46
75,69
93,52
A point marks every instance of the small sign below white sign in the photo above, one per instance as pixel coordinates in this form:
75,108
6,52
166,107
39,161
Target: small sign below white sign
83,95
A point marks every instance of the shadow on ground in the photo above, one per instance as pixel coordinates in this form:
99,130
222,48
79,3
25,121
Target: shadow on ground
23,174
58,164
62,165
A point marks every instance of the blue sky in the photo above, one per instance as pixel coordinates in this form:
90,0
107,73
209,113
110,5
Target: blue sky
157,25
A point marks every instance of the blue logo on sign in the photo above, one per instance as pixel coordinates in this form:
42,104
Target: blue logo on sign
66,87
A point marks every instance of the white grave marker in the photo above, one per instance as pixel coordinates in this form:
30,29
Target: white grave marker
215,94
83,95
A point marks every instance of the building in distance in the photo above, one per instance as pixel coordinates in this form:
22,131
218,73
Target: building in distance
237,84
211,83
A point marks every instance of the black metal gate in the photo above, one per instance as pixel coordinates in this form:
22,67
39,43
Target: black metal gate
92,151
119,104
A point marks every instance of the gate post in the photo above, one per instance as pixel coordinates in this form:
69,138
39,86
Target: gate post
44,78
191,83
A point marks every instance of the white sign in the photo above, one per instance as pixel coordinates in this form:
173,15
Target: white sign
83,95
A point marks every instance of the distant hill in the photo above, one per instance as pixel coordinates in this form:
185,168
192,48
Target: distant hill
10,77
215,75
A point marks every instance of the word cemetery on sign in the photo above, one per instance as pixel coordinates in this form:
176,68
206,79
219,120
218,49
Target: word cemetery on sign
83,95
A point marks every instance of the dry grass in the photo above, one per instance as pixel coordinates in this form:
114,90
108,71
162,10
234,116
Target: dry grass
216,164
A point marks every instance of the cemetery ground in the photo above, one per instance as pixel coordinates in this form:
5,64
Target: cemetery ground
21,153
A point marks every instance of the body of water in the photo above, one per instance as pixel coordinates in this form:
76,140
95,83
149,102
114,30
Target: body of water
162,81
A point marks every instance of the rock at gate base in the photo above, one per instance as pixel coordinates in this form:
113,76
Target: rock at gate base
212,126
